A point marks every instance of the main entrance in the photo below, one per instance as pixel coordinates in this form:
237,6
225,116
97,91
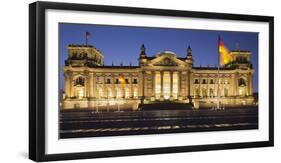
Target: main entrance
166,85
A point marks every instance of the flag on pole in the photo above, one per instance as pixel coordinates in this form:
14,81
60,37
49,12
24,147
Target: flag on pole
121,79
88,35
225,56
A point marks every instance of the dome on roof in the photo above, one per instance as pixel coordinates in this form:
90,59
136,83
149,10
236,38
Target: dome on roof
166,53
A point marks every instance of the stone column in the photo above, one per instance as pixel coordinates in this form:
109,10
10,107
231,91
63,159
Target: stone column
71,86
222,86
179,84
104,87
250,81
188,81
140,85
131,86
122,90
171,84
153,83
207,80
94,81
67,84
113,85
199,79
86,85
144,82
91,86
161,74
234,86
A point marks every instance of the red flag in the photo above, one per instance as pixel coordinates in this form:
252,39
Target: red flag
225,56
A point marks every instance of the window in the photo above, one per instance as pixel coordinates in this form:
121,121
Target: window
241,82
204,81
116,81
108,81
135,81
196,81
211,81
80,81
98,80
127,81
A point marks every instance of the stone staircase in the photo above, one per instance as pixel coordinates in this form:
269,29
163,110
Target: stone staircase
166,106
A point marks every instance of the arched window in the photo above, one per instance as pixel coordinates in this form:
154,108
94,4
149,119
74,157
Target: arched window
80,81
79,90
241,82
204,81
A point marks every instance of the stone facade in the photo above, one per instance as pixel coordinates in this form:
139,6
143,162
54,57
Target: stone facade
163,77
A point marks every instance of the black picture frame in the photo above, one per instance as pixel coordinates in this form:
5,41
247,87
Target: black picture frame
37,80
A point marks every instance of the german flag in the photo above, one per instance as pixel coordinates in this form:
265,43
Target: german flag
121,79
225,56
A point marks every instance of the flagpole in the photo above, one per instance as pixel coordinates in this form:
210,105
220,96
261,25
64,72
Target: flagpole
86,38
218,84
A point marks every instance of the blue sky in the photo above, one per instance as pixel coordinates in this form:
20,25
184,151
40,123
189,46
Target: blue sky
121,44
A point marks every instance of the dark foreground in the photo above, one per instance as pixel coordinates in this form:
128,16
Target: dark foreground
75,124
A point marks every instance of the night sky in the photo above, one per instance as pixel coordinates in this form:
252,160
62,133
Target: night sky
121,44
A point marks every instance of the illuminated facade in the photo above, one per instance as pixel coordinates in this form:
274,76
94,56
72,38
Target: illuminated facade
163,77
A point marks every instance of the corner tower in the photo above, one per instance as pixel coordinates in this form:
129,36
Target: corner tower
83,55
143,56
241,59
189,58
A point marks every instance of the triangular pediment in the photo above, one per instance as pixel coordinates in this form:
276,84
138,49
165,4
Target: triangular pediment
166,62
167,59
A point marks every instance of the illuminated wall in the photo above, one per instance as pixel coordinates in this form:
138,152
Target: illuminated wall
163,77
